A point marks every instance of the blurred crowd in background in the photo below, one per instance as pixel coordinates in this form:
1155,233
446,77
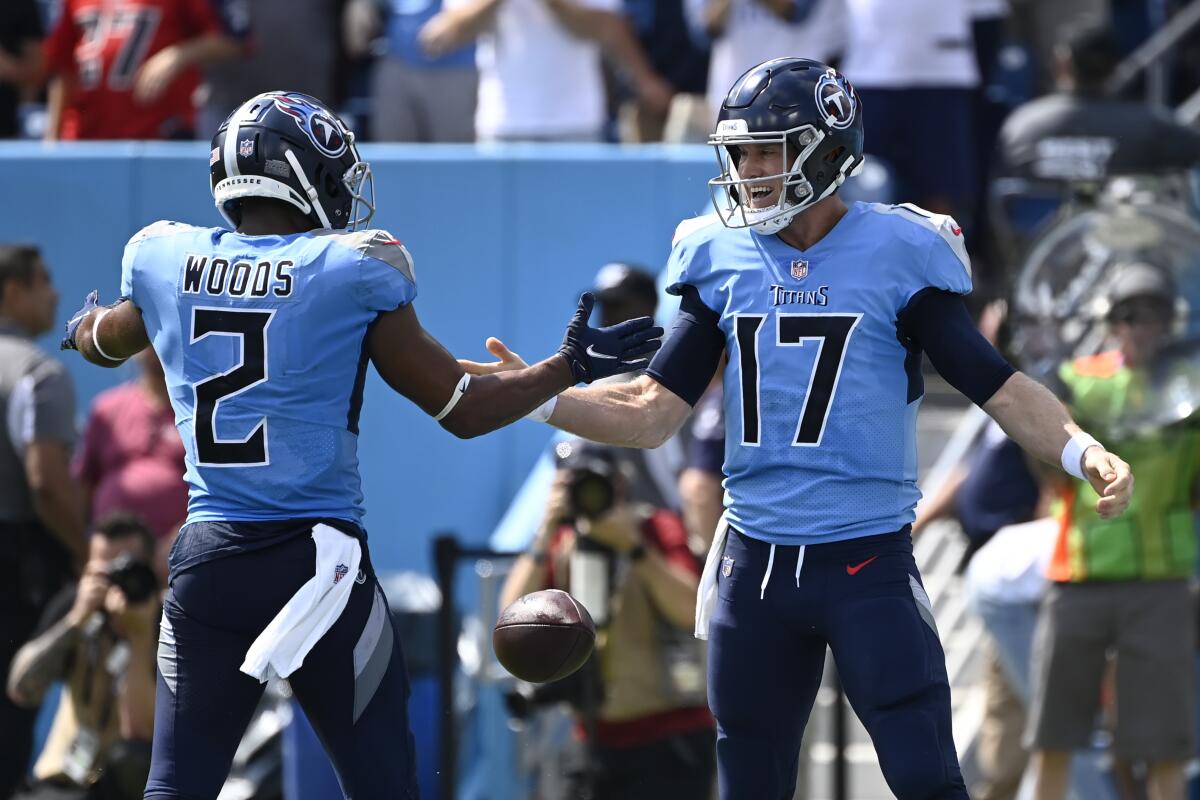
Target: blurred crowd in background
938,77
1001,112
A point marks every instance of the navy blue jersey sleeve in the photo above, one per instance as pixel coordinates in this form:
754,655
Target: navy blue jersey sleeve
937,322
691,349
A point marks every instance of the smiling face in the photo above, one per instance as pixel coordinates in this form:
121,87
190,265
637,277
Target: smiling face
760,161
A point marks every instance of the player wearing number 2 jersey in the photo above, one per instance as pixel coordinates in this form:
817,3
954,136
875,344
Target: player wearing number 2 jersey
265,332
825,312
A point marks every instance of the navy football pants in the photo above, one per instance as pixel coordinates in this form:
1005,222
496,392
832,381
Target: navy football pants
353,686
863,598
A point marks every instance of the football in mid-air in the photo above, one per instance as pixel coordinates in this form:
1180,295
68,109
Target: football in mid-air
544,636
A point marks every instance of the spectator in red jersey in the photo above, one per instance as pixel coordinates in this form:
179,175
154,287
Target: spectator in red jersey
131,459
127,69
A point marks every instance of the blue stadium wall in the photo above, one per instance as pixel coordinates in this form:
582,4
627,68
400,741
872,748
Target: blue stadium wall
504,239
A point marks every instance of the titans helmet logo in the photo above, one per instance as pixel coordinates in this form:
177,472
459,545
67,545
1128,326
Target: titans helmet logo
836,100
322,129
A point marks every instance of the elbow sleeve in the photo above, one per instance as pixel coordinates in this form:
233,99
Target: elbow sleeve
691,349
938,323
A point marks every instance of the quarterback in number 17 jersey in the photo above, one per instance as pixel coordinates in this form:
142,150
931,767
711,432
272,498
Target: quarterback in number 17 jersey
821,386
262,341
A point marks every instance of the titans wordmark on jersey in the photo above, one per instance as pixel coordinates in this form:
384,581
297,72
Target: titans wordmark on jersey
262,343
821,395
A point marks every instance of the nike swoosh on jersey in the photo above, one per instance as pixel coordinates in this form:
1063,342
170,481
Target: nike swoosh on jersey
591,351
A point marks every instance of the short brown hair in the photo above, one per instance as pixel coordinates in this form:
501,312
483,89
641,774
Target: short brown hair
17,262
125,525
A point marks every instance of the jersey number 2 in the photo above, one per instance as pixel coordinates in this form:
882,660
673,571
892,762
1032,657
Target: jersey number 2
251,329
831,332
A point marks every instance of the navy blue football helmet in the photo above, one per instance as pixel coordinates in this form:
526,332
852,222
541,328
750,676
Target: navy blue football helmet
809,108
290,146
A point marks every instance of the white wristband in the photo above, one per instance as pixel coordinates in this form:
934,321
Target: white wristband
542,413
459,390
96,336
1072,454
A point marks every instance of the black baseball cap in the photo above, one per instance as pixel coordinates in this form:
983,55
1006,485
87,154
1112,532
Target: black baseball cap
619,281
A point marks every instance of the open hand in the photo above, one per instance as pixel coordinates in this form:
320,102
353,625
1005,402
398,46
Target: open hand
1112,480
508,360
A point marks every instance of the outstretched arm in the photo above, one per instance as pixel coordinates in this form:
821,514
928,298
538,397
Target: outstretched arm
106,335
648,410
417,366
640,413
1028,412
470,403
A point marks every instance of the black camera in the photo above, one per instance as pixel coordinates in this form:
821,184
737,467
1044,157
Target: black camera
592,485
133,577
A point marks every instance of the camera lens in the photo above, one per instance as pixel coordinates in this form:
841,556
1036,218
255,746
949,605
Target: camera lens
592,494
133,577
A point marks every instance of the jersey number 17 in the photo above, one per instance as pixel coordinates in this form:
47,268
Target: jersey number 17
831,331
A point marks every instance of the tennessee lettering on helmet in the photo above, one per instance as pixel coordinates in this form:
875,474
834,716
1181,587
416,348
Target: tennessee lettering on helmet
257,153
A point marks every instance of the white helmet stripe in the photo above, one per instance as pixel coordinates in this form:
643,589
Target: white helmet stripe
231,138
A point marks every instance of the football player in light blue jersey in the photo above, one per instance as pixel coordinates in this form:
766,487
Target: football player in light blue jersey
264,332
825,311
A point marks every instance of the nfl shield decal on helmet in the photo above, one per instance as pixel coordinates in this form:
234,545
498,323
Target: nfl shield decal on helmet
836,99
246,148
799,269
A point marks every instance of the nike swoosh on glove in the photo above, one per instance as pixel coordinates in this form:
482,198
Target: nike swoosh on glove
596,353
90,304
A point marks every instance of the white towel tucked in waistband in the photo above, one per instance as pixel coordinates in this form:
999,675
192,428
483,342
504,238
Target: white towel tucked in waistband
706,594
280,649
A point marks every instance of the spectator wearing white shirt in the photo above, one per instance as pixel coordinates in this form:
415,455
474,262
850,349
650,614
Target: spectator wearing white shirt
744,33
913,64
540,64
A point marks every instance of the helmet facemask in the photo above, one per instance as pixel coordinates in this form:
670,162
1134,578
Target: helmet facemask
360,183
732,202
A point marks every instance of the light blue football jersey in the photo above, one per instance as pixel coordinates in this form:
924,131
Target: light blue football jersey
821,395
262,340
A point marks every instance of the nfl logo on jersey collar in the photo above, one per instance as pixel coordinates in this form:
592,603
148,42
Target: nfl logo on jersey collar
799,268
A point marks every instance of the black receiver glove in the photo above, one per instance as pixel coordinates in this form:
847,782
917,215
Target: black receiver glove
596,353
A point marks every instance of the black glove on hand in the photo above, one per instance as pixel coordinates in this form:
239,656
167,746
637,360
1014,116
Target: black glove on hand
89,305
596,353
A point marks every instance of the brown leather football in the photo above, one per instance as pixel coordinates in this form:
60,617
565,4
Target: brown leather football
544,636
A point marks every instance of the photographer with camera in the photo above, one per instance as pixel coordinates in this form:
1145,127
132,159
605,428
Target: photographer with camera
645,730
98,638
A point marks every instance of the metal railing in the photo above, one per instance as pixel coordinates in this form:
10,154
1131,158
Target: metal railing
1153,56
